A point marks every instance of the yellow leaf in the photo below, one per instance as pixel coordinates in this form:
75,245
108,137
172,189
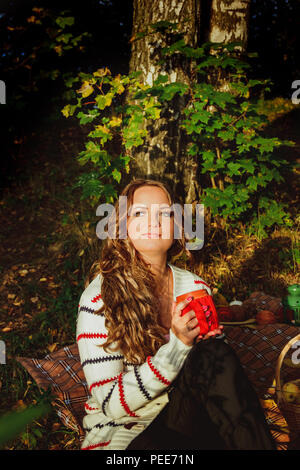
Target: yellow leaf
43,279
58,49
81,253
86,89
19,404
119,85
69,442
52,285
66,110
115,121
52,347
23,272
103,129
102,72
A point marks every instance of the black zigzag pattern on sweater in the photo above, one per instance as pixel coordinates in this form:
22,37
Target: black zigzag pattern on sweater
140,384
104,403
83,308
100,426
101,359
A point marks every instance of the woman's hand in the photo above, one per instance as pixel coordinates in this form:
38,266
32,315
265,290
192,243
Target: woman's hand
212,333
186,327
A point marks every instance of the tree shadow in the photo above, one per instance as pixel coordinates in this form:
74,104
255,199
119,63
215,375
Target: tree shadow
286,127
263,270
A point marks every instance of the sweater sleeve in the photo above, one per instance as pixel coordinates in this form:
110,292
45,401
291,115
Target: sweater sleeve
118,392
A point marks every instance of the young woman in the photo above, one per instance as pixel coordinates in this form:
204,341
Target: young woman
155,381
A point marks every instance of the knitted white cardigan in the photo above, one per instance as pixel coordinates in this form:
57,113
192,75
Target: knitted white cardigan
125,398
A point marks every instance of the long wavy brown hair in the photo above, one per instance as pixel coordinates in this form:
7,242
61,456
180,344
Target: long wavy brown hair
129,290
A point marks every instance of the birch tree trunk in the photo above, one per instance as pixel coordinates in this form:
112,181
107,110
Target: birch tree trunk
229,20
164,149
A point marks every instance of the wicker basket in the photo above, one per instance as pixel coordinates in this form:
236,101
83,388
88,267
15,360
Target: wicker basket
290,411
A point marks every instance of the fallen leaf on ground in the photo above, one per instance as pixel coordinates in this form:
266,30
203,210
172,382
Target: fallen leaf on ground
69,442
23,272
55,426
19,405
51,347
6,329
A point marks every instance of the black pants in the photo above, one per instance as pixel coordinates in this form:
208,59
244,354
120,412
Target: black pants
212,405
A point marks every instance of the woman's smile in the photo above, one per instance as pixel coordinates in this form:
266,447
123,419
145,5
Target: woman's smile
151,235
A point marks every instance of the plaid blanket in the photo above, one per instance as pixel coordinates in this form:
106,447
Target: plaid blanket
62,371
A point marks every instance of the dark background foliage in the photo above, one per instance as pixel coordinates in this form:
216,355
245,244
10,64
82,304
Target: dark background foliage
272,34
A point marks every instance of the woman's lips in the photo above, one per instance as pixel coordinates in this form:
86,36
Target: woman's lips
151,235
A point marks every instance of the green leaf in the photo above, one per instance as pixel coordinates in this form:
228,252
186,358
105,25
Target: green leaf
68,110
12,423
85,118
229,134
170,90
65,21
117,175
202,116
103,101
234,168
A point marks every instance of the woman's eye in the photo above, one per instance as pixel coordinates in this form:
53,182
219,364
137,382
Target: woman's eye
138,212
165,213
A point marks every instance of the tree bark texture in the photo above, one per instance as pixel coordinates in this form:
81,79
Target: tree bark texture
229,21
164,151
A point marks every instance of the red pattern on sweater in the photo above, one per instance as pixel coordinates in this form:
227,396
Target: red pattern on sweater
90,408
91,335
102,382
95,299
93,446
201,282
122,398
156,372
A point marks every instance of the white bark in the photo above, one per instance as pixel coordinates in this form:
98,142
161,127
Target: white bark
229,21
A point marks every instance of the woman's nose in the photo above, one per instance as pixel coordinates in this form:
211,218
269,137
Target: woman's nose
154,220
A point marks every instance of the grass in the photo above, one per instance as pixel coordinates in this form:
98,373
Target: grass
47,246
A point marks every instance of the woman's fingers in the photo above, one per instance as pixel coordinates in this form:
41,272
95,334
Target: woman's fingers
192,322
212,333
179,307
184,326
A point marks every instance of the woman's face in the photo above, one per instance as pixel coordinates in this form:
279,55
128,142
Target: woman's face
150,221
